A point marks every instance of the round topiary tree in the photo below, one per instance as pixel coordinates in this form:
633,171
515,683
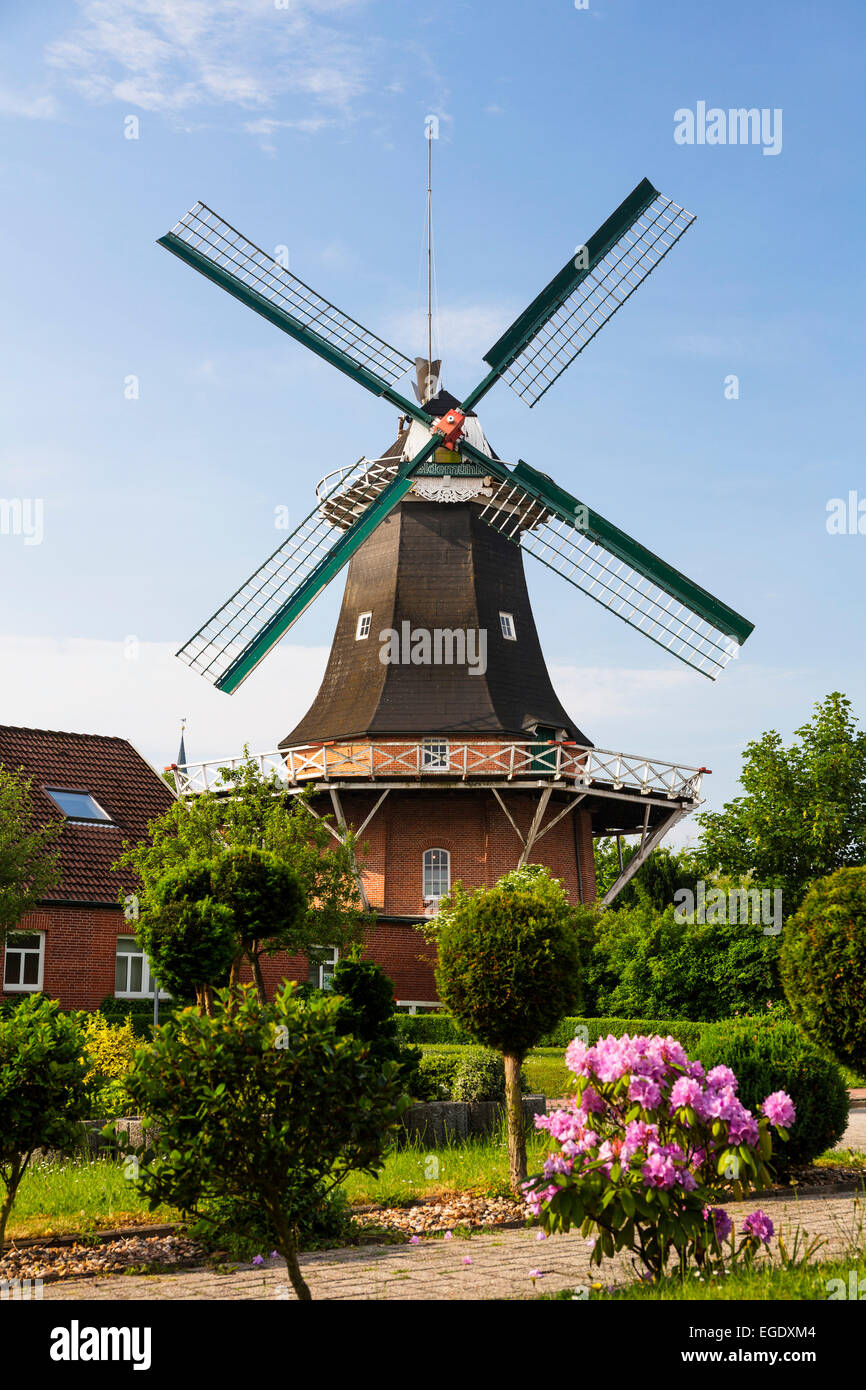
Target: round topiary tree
509,969
769,1056
189,937
823,965
266,898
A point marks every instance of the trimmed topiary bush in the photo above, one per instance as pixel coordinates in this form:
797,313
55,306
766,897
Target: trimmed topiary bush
442,1029
480,1075
509,968
768,1057
435,1076
823,965
685,1032
430,1028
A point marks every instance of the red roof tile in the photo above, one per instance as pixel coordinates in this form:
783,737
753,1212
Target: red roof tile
126,786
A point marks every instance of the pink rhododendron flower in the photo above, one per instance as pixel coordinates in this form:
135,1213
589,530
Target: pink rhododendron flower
721,1076
779,1109
759,1226
659,1170
722,1222
686,1091
646,1092
576,1057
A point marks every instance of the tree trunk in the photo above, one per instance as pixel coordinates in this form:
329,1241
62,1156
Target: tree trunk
235,975
15,1176
514,1122
208,1001
288,1248
259,978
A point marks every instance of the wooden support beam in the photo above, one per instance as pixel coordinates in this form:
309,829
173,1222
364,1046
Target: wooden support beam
509,815
536,822
341,820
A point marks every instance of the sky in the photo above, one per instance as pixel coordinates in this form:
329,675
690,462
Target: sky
154,430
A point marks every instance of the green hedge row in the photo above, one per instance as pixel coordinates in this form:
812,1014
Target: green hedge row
441,1028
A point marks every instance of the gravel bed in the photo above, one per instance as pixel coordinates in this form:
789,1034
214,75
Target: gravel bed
50,1262
444,1214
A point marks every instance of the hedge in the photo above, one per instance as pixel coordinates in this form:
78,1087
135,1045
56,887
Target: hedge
441,1028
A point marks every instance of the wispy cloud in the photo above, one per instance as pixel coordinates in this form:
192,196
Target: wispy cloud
175,57
32,108
461,333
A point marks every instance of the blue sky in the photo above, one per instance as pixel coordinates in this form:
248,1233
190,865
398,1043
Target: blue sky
304,126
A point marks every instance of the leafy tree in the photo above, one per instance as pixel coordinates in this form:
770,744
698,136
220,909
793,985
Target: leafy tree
265,1103
266,899
190,938
43,1095
29,864
647,964
260,815
803,814
657,880
366,1009
509,969
823,964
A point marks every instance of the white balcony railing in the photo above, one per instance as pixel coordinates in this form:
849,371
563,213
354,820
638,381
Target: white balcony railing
474,760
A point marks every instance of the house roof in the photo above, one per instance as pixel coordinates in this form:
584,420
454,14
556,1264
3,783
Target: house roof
116,775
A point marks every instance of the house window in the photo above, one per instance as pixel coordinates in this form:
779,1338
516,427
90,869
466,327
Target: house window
363,628
132,977
506,622
437,873
78,805
25,954
323,960
434,755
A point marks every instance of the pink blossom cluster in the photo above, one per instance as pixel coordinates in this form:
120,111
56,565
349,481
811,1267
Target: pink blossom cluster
673,1140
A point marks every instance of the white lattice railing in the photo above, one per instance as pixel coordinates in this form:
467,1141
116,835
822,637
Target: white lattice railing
570,763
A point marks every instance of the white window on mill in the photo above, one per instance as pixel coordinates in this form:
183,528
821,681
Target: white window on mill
437,873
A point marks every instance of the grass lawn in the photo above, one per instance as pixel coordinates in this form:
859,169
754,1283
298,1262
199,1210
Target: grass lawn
546,1072
412,1171
77,1196
85,1197
763,1281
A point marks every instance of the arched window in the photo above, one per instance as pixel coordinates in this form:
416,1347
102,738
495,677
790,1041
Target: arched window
437,873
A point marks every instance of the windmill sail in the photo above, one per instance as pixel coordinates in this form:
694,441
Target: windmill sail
585,295
219,251
242,632
614,569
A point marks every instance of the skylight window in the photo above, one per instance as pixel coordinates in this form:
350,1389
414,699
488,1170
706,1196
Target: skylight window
78,805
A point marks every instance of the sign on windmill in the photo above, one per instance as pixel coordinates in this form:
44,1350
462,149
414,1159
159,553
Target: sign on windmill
524,505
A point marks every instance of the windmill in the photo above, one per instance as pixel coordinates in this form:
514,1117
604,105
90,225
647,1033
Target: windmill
525,505
441,518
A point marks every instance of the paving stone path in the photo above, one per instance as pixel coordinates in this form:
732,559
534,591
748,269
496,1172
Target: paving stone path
434,1269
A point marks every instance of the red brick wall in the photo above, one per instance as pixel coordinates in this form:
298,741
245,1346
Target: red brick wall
80,948
472,826
80,941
